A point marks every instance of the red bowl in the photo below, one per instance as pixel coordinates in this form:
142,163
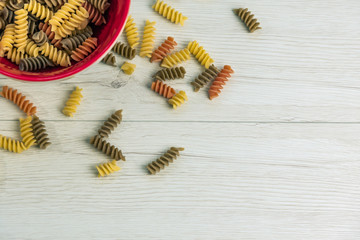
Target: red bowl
107,35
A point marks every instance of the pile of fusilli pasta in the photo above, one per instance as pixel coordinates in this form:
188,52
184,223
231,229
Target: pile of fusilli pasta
39,34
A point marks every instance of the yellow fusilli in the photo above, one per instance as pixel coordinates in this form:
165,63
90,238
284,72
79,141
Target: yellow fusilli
64,13
148,39
38,10
57,56
8,39
131,32
178,99
26,132
72,103
11,145
31,48
128,68
176,58
21,29
14,56
169,13
73,23
107,168
201,55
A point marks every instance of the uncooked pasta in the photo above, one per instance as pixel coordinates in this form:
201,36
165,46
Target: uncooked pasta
72,103
220,80
11,145
248,18
176,58
205,77
108,168
105,147
128,68
178,99
84,49
109,59
164,49
170,73
110,124
26,132
124,51
169,13
20,100
35,63
201,55
163,89
132,34
40,133
163,161
148,39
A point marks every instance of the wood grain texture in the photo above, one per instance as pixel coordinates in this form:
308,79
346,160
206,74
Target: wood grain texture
276,156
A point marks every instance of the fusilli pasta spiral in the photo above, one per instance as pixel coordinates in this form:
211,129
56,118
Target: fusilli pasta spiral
33,21
35,63
109,59
84,49
167,158
163,89
59,57
2,5
12,94
40,38
71,43
64,13
169,13
164,49
205,77
148,39
46,28
21,29
248,18
131,32
8,15
72,103
107,168
26,132
31,48
110,124
40,134
178,99
201,55
72,23
94,14
102,5
220,80
106,148
14,5
124,51
176,58
14,56
128,68
38,10
170,73
11,145
8,39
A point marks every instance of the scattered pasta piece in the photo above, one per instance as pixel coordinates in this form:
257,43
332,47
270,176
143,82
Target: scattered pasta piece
163,89
164,49
248,18
220,80
72,103
20,100
170,73
176,58
109,59
167,158
40,134
124,51
131,32
128,68
107,168
105,147
148,39
201,55
110,124
178,99
205,77
26,132
169,13
11,145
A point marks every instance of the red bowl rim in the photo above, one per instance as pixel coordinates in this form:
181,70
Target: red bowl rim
95,59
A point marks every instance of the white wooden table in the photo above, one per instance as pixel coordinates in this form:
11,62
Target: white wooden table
276,156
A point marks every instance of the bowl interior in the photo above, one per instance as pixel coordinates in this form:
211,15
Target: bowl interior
107,35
